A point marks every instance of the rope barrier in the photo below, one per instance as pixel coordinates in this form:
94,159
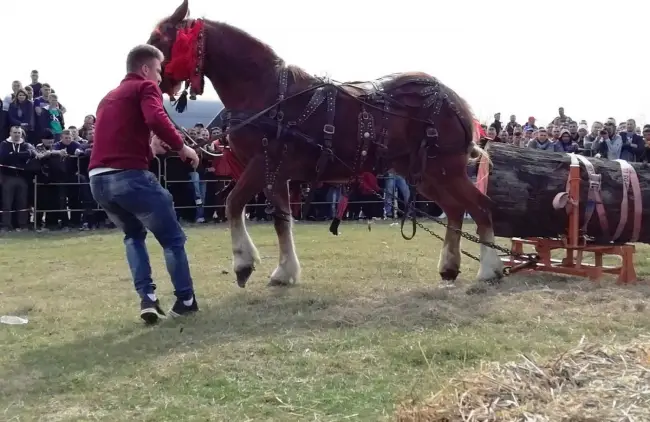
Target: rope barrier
161,171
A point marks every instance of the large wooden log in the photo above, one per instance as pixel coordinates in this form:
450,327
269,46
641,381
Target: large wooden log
523,183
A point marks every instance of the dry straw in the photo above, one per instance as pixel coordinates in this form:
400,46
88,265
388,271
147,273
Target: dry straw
590,383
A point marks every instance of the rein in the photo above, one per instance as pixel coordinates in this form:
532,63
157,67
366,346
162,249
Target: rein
259,114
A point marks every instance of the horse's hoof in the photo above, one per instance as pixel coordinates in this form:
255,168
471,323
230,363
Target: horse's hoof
496,278
449,274
243,274
274,282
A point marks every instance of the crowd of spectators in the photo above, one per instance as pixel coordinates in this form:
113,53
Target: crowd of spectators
44,177
627,140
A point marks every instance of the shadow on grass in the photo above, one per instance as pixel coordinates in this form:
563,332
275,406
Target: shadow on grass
278,313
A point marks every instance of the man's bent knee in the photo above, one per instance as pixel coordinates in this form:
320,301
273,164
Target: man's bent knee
134,235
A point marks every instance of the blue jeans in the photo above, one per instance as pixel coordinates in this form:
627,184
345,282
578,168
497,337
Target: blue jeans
199,189
135,201
333,198
394,182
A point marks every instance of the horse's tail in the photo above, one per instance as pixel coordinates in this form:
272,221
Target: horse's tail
476,153
471,127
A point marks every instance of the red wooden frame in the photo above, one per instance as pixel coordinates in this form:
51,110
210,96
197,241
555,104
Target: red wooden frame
573,244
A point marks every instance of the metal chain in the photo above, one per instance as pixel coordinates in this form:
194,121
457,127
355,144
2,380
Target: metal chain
531,259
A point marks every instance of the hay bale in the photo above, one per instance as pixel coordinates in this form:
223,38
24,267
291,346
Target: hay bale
590,383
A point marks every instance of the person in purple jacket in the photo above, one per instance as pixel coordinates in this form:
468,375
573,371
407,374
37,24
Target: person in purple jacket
21,111
565,143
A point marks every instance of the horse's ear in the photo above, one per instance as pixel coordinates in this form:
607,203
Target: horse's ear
180,13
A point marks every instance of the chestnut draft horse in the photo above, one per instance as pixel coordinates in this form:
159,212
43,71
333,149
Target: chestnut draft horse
284,124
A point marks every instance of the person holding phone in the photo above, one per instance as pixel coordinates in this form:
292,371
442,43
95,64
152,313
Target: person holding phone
609,143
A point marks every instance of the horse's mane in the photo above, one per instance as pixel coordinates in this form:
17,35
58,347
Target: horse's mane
253,55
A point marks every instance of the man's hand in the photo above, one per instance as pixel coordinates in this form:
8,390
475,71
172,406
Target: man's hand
188,154
158,147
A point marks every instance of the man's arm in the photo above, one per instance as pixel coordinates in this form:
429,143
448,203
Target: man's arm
31,150
155,117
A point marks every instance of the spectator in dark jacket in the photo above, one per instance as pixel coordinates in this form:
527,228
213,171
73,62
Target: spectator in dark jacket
51,169
632,143
35,85
4,122
89,123
645,156
66,143
21,111
497,123
565,143
14,155
543,143
69,194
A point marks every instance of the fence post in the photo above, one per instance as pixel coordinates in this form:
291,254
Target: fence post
159,167
165,165
35,203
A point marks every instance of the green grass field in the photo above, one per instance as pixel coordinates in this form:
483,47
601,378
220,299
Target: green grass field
367,329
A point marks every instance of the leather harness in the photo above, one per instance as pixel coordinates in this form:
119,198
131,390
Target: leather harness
375,95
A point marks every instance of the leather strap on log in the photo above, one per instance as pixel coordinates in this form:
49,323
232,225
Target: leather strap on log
630,180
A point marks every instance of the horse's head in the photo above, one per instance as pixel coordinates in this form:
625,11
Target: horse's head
163,37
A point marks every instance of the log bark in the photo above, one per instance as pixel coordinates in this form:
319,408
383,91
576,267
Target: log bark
523,183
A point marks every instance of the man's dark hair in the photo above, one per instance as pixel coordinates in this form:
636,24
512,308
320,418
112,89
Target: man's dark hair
72,127
47,134
141,54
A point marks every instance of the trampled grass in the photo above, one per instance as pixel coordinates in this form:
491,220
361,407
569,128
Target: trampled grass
367,329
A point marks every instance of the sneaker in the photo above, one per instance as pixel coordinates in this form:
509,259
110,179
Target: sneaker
150,311
184,307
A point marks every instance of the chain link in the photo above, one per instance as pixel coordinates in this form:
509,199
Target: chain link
531,259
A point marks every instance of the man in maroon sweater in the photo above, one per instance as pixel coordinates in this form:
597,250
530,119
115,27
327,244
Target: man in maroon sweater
129,193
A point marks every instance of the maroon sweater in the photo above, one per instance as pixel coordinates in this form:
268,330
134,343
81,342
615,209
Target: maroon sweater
125,118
